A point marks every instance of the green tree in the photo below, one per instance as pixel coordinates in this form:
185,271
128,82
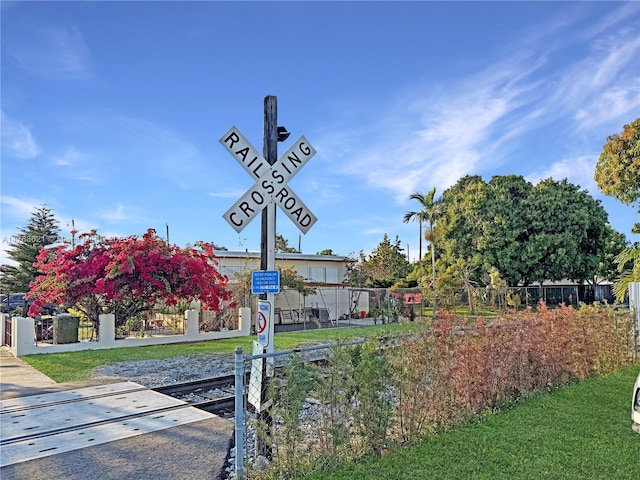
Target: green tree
326,251
464,216
628,262
463,272
614,243
551,231
282,245
41,231
387,263
566,233
618,168
356,274
427,212
504,226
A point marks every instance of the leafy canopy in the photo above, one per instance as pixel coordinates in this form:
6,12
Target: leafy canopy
550,231
618,168
126,276
386,265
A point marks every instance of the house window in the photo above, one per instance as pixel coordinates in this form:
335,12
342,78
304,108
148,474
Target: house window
323,274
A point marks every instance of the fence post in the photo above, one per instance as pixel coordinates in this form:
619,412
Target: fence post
23,333
193,323
107,329
239,412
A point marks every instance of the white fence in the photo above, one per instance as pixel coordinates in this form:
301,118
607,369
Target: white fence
23,335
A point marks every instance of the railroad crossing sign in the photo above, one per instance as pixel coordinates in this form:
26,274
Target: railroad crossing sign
271,182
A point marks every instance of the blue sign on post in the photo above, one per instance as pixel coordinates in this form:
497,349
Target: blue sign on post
265,281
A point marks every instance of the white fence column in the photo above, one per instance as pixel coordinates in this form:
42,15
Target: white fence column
244,320
193,323
23,336
107,329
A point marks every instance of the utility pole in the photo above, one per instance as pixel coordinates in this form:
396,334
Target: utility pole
267,262
271,176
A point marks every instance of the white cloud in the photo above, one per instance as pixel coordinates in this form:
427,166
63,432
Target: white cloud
74,166
57,52
118,214
450,134
436,134
17,139
603,87
71,156
235,194
18,208
578,170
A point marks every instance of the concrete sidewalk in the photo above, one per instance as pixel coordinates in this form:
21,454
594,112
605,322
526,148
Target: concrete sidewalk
19,379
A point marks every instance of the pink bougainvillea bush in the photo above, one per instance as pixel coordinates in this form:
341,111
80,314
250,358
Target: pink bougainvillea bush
126,276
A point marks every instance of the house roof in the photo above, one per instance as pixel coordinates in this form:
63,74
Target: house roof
282,256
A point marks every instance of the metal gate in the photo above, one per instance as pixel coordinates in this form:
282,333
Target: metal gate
7,330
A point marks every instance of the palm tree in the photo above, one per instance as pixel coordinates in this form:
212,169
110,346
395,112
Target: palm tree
428,214
627,275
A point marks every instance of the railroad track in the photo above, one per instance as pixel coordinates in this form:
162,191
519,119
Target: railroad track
214,395
127,404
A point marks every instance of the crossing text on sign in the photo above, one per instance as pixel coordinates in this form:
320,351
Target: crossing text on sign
271,181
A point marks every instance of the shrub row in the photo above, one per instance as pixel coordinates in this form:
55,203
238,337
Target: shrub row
398,390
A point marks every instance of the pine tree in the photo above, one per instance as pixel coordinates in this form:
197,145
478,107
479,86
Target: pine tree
42,230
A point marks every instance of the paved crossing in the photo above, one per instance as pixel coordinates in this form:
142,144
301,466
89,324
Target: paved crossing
37,426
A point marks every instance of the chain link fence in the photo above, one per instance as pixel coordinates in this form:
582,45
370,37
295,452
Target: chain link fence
310,409
330,306
275,413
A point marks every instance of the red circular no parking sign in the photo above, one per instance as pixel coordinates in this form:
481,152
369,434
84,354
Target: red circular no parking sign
262,322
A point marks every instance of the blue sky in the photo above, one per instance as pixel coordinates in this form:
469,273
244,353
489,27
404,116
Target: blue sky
112,111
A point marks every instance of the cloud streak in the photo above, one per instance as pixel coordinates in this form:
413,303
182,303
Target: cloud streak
53,52
17,139
18,207
118,214
473,126
578,170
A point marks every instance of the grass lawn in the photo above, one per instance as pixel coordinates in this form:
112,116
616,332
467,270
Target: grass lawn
579,432
75,366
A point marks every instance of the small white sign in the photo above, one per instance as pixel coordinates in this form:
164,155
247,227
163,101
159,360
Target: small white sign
262,322
254,395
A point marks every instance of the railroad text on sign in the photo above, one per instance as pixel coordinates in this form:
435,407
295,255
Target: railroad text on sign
271,182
